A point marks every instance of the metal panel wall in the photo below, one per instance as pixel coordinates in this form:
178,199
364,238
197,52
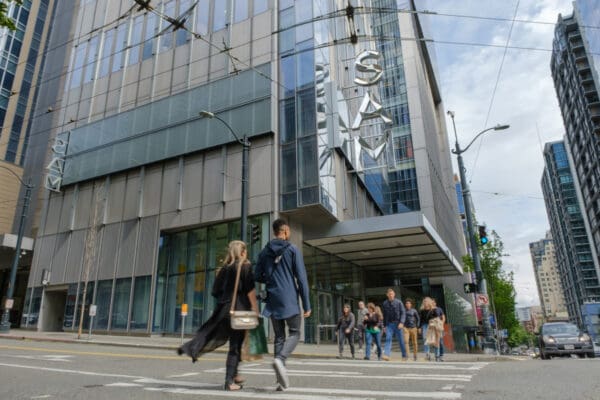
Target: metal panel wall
152,190
59,262
192,181
108,253
132,195
127,249
54,206
147,246
170,187
75,257
66,213
84,205
116,194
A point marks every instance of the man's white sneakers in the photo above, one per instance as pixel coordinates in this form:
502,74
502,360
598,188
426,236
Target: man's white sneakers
281,373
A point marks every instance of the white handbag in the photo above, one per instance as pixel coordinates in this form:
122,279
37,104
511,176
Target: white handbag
241,320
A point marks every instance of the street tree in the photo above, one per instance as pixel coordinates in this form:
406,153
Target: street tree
5,20
500,285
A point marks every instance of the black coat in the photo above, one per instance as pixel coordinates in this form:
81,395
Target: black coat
215,332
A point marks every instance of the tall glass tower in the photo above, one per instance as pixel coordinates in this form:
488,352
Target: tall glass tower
577,272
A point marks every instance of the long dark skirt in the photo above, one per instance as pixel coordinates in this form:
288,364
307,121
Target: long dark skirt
213,334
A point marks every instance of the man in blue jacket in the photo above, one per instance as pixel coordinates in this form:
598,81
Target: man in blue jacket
394,315
280,267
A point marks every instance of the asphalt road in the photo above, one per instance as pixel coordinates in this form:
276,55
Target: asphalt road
42,370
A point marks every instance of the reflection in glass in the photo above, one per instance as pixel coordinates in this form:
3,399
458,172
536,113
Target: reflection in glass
103,297
141,301
120,310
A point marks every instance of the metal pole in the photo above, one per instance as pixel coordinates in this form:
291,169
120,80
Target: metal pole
244,212
482,286
5,322
182,327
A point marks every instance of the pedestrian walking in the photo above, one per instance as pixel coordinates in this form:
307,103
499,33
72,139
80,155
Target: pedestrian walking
442,315
435,329
360,325
373,321
344,330
411,326
280,267
426,306
394,315
217,330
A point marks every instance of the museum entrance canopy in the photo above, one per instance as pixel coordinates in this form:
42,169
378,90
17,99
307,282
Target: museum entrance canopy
404,244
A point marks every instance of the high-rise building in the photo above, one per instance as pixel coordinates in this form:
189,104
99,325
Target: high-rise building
548,278
348,143
575,69
21,59
576,264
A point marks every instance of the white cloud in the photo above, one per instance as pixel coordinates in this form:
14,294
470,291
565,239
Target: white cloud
510,162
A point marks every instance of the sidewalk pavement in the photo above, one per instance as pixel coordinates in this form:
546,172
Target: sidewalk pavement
324,351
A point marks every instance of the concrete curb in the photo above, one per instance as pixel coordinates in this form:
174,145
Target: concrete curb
173,348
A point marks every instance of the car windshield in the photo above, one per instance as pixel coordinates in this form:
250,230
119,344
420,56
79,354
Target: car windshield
560,329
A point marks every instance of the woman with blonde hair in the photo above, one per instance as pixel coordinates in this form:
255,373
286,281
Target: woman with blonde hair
424,310
217,330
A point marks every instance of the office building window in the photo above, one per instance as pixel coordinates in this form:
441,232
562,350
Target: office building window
106,52
220,15
149,39
240,10
135,40
202,17
120,46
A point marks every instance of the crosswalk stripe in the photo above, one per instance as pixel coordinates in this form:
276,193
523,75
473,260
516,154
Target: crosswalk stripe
408,365
308,393
188,387
337,374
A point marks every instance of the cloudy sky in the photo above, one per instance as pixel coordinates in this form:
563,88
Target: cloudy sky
504,168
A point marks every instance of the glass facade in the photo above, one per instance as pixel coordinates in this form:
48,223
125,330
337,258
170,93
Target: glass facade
308,97
185,273
170,127
573,253
574,70
11,44
188,261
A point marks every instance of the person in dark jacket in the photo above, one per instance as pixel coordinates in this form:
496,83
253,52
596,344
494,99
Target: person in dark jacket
345,330
373,321
217,330
280,267
394,315
411,325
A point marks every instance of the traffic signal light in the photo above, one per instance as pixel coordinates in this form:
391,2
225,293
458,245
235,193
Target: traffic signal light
255,234
483,239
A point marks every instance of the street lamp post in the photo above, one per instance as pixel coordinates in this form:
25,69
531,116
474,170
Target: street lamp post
5,321
245,152
489,345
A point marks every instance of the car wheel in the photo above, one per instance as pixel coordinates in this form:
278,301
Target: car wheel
591,355
543,356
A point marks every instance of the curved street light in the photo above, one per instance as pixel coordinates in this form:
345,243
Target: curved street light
245,152
488,344
5,321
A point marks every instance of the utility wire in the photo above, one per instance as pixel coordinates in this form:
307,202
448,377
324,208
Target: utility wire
228,50
487,117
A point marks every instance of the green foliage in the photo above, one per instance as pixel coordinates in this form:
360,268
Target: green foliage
501,289
518,336
5,21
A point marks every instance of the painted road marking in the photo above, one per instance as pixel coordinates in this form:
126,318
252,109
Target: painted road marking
349,375
57,357
107,354
183,375
407,365
308,393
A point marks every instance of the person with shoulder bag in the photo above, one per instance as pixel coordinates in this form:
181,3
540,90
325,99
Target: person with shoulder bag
236,310
280,267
